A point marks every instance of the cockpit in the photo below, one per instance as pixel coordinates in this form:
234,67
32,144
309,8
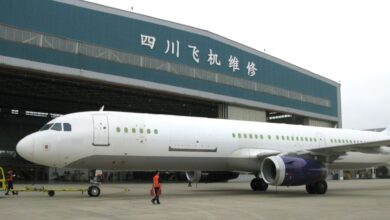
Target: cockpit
57,127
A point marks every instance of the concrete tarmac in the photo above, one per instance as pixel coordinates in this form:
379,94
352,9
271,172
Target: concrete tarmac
349,199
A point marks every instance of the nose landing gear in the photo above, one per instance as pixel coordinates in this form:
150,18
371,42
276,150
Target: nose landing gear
94,191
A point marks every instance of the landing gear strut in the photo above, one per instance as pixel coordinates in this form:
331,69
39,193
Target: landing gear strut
319,187
94,190
258,184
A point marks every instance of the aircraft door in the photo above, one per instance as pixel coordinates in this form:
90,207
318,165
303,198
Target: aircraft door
100,130
321,140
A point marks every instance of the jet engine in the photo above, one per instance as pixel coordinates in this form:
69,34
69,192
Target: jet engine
291,171
210,176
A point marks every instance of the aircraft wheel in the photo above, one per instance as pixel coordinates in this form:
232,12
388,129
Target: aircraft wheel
310,189
51,193
321,187
258,184
93,191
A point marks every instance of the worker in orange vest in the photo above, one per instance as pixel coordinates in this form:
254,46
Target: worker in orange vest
157,188
10,182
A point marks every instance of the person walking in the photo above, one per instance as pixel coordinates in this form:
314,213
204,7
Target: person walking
157,188
10,182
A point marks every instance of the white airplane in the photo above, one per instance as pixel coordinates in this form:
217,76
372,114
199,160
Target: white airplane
277,154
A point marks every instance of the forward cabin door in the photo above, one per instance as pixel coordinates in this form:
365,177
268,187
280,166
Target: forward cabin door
100,130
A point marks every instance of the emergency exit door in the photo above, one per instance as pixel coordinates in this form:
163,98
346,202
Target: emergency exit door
100,131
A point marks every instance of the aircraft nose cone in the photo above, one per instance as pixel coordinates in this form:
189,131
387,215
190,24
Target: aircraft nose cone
25,148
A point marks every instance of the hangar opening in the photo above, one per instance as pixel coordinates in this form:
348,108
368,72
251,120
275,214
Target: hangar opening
30,99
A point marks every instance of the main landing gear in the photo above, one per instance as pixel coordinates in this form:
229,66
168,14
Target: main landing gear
319,187
258,184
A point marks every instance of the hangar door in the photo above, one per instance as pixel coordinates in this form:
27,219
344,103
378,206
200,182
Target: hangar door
100,130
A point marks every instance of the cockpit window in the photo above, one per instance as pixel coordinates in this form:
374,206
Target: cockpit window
46,127
67,127
57,127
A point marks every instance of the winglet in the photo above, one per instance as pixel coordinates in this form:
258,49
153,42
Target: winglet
387,129
101,109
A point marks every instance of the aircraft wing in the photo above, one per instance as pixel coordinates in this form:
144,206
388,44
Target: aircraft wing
333,152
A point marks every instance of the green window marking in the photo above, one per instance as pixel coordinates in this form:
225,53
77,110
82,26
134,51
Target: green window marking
239,135
155,131
306,139
261,137
277,137
141,130
269,137
233,135
283,137
310,139
292,138
133,130
250,136
244,135
126,130
256,136
118,129
148,131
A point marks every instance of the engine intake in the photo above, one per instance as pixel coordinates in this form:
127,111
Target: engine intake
291,171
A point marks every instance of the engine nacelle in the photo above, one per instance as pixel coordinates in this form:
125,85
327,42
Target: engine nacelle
291,171
210,176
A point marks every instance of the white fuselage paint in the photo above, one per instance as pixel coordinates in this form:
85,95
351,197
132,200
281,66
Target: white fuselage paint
182,143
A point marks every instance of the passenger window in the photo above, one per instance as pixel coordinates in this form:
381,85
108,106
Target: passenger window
148,131
155,131
269,137
118,129
256,136
288,138
57,127
239,135
133,130
234,135
67,127
126,130
261,137
250,136
141,130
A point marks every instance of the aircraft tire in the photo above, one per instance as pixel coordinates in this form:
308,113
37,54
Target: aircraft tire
310,189
93,191
258,184
51,193
321,187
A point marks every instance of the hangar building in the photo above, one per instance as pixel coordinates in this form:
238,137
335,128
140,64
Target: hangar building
63,56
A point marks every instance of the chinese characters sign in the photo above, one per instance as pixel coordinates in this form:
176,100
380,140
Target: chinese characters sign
173,48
